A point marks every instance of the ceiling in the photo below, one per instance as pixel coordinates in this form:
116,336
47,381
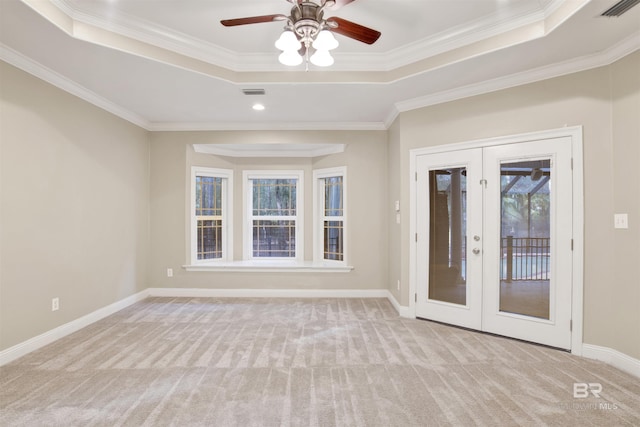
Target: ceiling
171,65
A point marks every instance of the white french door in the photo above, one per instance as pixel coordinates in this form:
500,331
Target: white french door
494,230
449,207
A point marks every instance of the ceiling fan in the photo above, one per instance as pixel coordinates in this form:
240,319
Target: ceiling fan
306,29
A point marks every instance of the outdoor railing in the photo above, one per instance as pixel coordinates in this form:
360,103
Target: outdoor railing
525,258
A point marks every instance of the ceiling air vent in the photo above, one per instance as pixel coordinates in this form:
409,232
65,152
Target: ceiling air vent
256,91
620,7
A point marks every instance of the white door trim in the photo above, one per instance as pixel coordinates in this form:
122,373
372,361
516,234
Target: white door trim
575,133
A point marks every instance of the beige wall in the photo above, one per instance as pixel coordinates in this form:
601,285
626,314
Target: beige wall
623,301
365,158
113,197
395,251
605,102
74,214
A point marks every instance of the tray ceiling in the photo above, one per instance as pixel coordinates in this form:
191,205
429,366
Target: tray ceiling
170,64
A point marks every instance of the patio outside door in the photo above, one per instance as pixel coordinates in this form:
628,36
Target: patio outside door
494,239
449,224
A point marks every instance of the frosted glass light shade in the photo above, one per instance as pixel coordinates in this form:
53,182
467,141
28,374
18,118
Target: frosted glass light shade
288,41
325,41
322,58
290,58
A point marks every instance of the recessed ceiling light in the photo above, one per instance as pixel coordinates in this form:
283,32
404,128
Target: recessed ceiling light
258,107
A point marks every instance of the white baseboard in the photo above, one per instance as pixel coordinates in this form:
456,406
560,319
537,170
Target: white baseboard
268,293
12,353
604,354
612,357
403,310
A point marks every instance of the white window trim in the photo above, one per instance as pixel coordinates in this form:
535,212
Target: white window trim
227,215
270,266
318,214
247,230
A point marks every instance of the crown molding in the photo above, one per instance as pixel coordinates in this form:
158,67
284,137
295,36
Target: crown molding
604,58
38,70
231,126
485,29
611,55
459,36
165,38
394,112
154,34
269,150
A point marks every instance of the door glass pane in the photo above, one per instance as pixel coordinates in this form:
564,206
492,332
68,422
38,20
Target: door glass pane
525,238
447,231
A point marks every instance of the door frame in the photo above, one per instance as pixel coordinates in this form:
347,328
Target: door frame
577,268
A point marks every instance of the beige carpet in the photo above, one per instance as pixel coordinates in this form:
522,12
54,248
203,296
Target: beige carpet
301,362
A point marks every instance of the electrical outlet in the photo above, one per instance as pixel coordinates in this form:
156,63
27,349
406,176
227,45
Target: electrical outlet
55,304
169,272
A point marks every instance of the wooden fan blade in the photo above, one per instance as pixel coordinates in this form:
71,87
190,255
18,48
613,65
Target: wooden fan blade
252,20
353,30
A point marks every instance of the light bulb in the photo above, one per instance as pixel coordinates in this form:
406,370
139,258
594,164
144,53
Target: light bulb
288,41
290,58
325,41
322,58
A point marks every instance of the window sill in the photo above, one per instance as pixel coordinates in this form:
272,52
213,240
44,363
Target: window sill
270,267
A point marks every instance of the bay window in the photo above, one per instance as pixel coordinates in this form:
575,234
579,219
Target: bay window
330,215
273,215
211,215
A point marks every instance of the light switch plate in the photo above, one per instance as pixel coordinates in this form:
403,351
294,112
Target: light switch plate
621,220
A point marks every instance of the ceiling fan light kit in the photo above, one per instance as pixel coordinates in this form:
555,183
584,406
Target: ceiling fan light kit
288,41
290,58
307,36
325,41
322,58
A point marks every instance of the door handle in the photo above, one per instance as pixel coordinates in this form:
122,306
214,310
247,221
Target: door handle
476,251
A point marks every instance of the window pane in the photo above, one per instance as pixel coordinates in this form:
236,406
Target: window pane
333,196
274,197
333,240
274,239
447,224
209,239
208,196
525,238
